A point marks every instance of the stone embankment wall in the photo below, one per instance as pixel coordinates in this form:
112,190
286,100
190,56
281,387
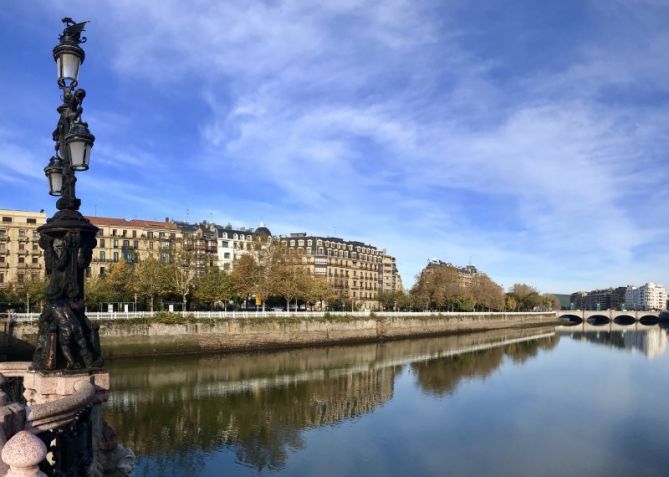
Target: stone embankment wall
129,339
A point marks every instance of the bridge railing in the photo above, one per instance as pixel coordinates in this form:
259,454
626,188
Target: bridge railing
130,315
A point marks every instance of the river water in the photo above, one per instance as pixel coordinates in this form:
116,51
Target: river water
533,402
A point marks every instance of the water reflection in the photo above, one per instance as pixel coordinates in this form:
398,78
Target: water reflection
257,406
652,341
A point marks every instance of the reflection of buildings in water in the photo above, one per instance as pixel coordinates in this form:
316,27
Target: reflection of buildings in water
652,342
257,405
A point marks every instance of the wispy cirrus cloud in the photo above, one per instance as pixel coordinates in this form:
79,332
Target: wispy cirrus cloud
530,137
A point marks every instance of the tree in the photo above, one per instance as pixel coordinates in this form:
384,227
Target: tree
181,275
214,286
246,276
526,296
550,302
150,279
117,281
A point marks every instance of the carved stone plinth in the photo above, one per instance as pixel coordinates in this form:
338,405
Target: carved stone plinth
43,387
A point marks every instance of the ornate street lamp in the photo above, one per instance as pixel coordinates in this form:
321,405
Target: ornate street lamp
66,338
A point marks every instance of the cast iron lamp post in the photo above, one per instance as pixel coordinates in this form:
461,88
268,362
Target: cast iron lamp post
66,338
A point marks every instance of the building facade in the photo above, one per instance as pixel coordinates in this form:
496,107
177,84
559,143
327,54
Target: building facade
466,274
21,257
133,240
353,269
233,243
389,279
650,296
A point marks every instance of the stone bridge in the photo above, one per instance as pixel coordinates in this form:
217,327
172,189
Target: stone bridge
604,317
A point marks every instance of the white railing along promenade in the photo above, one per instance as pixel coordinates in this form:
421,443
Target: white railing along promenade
121,315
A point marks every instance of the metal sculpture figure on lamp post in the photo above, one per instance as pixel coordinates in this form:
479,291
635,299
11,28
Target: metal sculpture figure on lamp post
66,338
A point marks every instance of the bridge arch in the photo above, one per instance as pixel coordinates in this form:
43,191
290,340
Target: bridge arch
649,320
624,320
571,320
598,320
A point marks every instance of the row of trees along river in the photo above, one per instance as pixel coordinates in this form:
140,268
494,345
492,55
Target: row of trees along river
279,281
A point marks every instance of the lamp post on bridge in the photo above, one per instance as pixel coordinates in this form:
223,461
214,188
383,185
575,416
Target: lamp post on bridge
66,338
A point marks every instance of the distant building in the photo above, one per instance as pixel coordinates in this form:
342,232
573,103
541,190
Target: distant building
353,269
233,243
577,300
389,279
466,274
650,296
21,257
133,240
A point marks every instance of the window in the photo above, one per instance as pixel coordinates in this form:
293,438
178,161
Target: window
22,277
102,271
149,235
226,255
22,247
161,234
2,277
6,220
173,236
135,244
102,255
102,242
125,233
35,247
35,260
134,234
115,243
3,232
31,221
224,243
126,243
116,256
3,246
309,243
2,259
114,233
150,245
22,233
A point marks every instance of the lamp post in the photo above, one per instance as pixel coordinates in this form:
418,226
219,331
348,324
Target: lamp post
66,338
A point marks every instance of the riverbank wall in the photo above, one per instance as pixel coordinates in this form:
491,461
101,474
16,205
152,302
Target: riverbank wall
144,337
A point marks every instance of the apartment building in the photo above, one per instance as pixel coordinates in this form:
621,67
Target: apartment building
21,257
351,268
133,240
650,296
233,243
199,246
389,279
466,274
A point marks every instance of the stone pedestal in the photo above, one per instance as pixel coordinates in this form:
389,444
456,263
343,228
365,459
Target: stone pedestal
45,387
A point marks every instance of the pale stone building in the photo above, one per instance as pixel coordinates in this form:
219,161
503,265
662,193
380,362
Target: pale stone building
390,279
233,243
650,296
133,240
353,269
21,257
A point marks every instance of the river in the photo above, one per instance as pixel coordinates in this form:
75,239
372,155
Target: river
540,401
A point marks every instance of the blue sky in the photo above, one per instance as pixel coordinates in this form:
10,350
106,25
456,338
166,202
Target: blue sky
530,137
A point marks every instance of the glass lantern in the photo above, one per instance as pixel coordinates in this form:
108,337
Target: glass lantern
54,173
79,142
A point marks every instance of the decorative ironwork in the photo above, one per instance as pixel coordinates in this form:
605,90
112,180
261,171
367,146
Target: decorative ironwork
66,338
71,447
